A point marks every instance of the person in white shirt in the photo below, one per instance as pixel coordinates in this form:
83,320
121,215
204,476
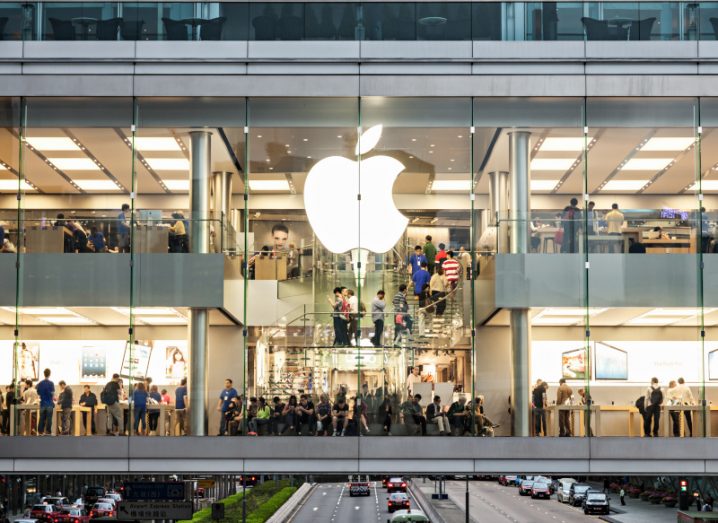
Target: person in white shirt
685,396
353,317
414,377
614,221
673,398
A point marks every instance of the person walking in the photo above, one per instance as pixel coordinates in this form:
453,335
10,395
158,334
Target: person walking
452,269
340,316
622,496
653,401
430,253
416,259
46,391
402,319
378,306
181,408
563,397
438,287
421,279
65,401
110,396
225,396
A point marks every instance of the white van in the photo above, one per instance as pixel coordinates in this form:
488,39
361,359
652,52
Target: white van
409,516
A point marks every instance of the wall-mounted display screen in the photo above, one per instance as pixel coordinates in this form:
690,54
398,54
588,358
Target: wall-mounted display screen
611,362
573,364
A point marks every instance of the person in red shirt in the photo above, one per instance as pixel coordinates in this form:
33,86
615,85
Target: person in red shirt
452,269
165,397
441,255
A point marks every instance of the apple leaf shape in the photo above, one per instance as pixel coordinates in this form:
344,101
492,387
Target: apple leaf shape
368,139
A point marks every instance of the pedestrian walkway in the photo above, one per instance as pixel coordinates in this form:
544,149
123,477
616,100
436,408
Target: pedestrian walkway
637,511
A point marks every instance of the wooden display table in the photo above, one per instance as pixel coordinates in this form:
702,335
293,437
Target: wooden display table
167,413
151,238
631,410
266,268
44,240
77,411
667,421
577,419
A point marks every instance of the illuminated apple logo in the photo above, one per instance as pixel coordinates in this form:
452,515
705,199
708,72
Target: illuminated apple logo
341,221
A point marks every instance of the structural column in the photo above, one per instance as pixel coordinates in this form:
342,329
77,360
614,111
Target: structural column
221,198
200,189
519,215
499,201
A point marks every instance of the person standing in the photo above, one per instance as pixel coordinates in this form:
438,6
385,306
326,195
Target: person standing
413,378
416,259
465,262
441,255
421,279
110,396
154,415
538,398
378,305
353,326
430,253
225,396
46,391
181,407
622,496
65,401
30,397
139,405
563,397
673,398
123,229
652,401
685,397
338,315
571,224
402,319
438,287
89,400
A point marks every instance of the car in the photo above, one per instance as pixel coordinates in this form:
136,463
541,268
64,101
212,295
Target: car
101,509
525,487
396,485
111,501
26,520
596,503
72,515
359,485
562,490
409,516
43,511
249,481
507,480
576,493
540,489
58,501
113,495
92,494
397,501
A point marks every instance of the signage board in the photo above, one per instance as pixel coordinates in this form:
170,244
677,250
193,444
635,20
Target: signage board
205,483
132,510
148,491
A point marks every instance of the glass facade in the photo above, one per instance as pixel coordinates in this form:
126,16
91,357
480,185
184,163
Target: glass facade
358,21
243,244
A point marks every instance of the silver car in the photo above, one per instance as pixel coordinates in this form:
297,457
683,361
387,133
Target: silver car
564,489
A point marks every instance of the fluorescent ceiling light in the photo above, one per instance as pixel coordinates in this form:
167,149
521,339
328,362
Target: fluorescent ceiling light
592,311
168,164
624,185
66,320
177,185
555,320
145,311
152,143
672,312
163,320
572,144
646,164
54,143
12,185
551,164
268,185
667,143
74,164
543,185
451,185
654,321
706,185
2,167
42,311
97,185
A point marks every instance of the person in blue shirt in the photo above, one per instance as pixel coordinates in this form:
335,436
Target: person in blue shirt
139,404
154,415
181,407
416,259
225,397
123,229
98,240
421,279
46,391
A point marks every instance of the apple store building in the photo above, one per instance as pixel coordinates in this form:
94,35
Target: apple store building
531,262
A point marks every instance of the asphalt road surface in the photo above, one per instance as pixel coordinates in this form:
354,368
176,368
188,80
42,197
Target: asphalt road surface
331,503
493,503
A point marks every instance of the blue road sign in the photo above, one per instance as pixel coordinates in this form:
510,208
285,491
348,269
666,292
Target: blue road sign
166,491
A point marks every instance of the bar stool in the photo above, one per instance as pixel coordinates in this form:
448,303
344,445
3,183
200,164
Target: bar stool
544,247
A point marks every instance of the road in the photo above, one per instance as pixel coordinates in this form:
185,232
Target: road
331,503
492,503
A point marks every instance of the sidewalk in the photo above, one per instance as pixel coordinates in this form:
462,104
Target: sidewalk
447,509
637,511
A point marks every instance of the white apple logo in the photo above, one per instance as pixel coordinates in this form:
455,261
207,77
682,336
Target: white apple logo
341,221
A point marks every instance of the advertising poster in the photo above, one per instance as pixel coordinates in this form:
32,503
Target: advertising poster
135,361
573,364
29,361
175,363
611,362
94,364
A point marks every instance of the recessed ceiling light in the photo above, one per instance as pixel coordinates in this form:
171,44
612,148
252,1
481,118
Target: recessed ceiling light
543,185
413,139
551,164
305,139
431,152
646,164
177,185
54,143
259,136
74,164
156,143
339,136
572,144
97,185
286,145
432,145
624,185
12,185
269,185
668,143
168,164
451,185
460,136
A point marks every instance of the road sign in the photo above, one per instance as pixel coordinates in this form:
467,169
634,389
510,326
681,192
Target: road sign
162,491
131,510
205,483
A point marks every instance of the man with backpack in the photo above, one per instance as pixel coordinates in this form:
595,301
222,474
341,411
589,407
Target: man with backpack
110,396
652,408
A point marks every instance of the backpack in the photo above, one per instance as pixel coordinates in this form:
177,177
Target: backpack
656,396
106,396
641,404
